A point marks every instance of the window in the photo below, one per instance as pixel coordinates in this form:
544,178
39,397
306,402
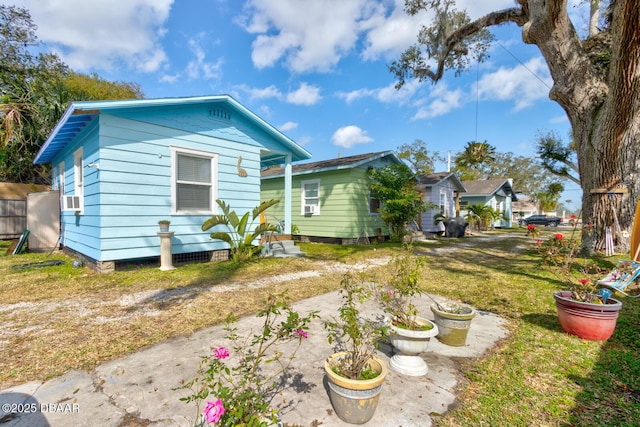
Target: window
61,178
193,181
374,205
73,202
443,203
310,191
78,175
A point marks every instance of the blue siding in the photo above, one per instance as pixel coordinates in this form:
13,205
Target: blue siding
131,190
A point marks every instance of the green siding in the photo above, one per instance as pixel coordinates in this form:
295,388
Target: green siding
344,204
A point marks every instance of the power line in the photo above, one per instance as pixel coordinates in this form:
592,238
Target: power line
522,63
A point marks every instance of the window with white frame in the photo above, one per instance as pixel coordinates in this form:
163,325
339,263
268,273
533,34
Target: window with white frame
310,192
73,202
61,178
443,203
194,181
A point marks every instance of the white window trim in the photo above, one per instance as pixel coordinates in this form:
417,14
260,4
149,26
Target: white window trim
61,178
213,189
74,202
303,199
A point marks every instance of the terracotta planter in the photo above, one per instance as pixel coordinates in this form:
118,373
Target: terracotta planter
453,327
354,401
595,322
410,344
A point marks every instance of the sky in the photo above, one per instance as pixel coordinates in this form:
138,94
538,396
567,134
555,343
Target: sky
317,70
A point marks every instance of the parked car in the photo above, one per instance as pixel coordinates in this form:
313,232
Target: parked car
547,221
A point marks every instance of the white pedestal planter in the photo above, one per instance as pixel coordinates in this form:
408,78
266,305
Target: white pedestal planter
410,344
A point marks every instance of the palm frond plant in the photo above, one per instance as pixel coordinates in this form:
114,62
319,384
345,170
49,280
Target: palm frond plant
241,232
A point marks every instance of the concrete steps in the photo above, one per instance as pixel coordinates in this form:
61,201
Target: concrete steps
284,249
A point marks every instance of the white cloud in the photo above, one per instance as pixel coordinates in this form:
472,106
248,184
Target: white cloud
387,94
348,136
103,35
199,67
442,101
306,36
523,84
304,140
305,95
285,127
354,95
261,93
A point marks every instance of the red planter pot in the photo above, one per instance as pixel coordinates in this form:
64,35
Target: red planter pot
594,322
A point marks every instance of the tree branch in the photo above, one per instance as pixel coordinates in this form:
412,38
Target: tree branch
515,15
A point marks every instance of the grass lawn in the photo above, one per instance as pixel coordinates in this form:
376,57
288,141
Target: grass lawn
57,318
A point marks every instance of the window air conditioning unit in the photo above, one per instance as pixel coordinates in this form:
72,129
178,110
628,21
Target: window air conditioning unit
71,203
309,209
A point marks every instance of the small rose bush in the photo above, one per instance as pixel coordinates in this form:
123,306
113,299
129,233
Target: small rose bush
533,231
233,383
559,255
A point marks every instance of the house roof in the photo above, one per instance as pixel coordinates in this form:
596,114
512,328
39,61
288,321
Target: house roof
488,187
80,114
435,178
331,164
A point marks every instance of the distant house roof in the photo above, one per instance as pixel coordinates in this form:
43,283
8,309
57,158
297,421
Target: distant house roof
435,178
12,190
489,187
524,203
80,114
331,164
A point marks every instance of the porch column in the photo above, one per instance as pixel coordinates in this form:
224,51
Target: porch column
287,195
457,204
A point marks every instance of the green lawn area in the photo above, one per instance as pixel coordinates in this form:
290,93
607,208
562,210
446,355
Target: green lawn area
58,318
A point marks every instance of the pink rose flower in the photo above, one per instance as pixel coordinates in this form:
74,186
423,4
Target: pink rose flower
221,353
301,332
213,411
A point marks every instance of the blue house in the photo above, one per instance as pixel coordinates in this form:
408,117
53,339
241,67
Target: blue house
121,166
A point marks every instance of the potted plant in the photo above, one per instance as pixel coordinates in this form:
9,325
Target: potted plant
237,384
409,333
164,225
453,321
581,310
354,374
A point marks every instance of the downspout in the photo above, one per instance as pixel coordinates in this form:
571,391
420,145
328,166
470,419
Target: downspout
287,195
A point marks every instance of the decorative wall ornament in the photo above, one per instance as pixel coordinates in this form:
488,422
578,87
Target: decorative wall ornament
241,171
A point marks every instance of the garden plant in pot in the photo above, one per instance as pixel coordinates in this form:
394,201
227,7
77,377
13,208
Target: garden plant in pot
409,333
237,384
453,321
164,225
354,374
582,310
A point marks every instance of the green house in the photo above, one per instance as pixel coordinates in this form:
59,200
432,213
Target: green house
330,200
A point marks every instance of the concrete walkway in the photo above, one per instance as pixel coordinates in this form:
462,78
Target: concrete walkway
138,390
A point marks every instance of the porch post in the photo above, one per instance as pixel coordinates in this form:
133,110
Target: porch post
287,195
457,203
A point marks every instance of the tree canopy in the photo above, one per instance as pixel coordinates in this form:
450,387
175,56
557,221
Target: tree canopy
418,156
394,186
596,80
34,92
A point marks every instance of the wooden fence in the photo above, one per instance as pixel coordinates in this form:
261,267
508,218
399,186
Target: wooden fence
13,218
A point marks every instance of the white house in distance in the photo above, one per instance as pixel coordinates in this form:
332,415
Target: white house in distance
442,190
121,166
495,192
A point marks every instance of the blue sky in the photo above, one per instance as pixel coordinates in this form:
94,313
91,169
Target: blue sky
315,69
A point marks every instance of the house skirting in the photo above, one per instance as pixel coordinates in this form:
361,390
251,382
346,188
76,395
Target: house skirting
111,266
